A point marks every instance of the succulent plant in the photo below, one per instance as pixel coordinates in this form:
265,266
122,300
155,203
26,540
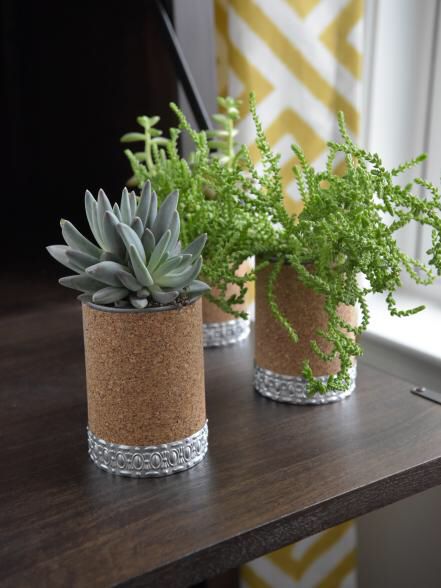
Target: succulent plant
138,259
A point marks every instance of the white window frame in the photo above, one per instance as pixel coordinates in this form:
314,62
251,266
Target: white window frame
402,91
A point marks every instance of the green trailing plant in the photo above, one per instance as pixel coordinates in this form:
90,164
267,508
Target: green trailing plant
137,260
346,229
211,182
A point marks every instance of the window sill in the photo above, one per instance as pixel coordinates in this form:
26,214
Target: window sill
407,347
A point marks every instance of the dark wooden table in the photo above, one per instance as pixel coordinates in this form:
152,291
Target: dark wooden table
274,473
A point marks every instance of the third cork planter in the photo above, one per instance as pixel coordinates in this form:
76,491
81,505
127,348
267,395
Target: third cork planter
145,388
221,328
278,360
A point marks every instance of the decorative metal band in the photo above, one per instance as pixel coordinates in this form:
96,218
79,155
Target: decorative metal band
150,460
292,389
226,333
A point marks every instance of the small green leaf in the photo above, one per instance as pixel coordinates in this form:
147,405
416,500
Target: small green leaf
132,137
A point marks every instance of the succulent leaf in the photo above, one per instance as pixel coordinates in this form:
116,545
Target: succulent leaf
180,279
144,203
138,302
159,251
133,204
92,217
107,272
109,295
168,266
128,281
137,226
195,248
111,236
175,227
82,282
116,211
141,272
58,252
130,238
148,242
163,297
126,212
164,216
76,240
153,210
196,288
82,260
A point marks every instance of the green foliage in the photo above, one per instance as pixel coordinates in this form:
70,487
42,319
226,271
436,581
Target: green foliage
138,261
346,230
211,184
347,227
222,142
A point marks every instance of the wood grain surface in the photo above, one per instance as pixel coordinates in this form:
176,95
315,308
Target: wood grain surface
274,473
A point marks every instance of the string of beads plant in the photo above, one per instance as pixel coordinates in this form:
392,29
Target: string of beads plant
346,229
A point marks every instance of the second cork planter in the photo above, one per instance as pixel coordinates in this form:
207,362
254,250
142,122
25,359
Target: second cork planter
221,328
145,389
278,360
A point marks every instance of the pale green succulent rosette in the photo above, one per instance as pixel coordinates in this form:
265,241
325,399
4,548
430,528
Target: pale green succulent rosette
137,261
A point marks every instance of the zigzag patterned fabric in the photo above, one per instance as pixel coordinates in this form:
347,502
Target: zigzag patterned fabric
303,60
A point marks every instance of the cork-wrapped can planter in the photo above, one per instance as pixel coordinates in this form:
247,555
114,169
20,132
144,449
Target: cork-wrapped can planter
278,360
221,328
145,389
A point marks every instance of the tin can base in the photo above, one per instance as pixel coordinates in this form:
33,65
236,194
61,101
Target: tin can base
148,461
292,389
225,333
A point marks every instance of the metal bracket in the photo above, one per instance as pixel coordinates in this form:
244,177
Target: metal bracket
432,395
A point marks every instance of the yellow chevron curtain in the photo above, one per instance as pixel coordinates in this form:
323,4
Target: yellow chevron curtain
303,60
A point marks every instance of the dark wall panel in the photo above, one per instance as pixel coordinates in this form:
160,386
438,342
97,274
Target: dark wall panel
74,78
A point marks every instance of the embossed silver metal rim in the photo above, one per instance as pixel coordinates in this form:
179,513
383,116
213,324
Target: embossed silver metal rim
292,389
148,461
226,333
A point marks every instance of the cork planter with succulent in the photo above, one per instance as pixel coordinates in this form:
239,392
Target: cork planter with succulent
316,270
142,321
203,179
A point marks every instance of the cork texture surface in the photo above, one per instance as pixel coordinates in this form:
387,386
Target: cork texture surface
145,374
304,309
213,314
